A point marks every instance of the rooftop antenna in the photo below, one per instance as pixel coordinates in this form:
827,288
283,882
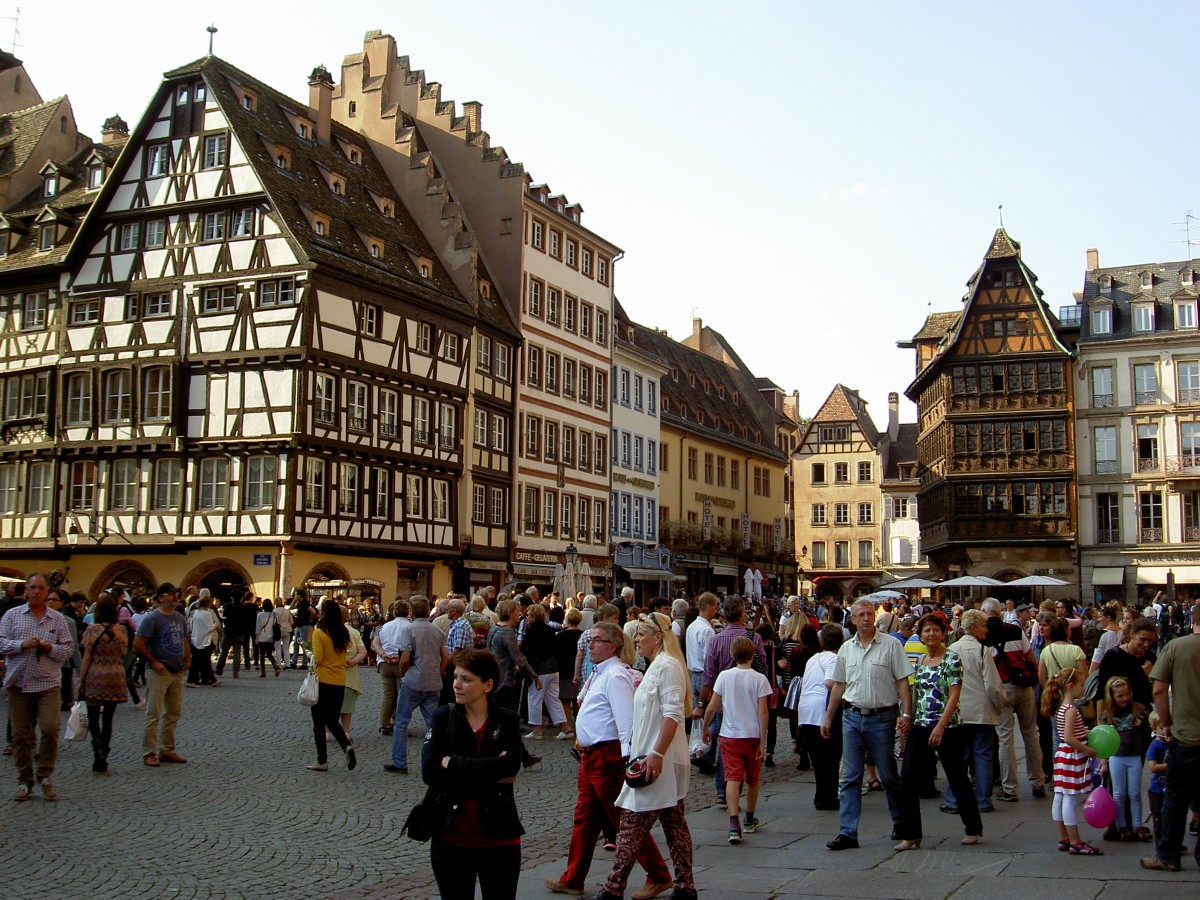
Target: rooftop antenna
211,29
1188,219
16,27
1001,209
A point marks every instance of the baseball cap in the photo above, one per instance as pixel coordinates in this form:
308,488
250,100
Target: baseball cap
166,588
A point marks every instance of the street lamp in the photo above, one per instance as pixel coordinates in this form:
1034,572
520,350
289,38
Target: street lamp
572,554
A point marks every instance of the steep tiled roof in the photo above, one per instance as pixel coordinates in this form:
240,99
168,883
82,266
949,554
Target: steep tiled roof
70,203
776,418
1167,283
845,405
742,407
938,325
21,131
304,188
1003,247
901,450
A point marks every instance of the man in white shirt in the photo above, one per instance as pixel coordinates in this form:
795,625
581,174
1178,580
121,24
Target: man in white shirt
602,728
697,636
387,650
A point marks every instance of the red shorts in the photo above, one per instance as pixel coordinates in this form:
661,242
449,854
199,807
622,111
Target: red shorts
740,756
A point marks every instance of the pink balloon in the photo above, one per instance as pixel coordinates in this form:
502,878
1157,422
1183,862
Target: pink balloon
1099,809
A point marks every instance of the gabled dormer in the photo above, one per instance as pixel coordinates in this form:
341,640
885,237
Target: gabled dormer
50,228
1100,310
1105,283
1142,311
94,168
11,232
53,180
352,152
1184,303
1145,281
1187,277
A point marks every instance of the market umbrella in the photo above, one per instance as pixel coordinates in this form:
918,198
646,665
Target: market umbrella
1038,581
880,596
910,584
973,581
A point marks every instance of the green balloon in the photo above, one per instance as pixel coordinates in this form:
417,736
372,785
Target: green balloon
1105,740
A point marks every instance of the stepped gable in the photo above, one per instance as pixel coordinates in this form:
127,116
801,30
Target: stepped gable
21,131
901,450
69,206
845,405
1124,286
683,403
303,189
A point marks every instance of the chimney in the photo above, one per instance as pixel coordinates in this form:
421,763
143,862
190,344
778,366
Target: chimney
697,328
320,99
893,416
473,113
115,130
1093,259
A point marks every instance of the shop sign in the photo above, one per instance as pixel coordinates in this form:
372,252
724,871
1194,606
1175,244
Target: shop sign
262,559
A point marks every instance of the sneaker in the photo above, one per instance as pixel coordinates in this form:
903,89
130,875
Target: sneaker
1157,864
141,704
735,836
535,736
751,825
1040,793
317,767
49,791
610,846
559,888
23,792
565,736
1007,798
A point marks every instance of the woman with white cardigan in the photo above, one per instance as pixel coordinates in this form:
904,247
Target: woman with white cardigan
659,706
979,703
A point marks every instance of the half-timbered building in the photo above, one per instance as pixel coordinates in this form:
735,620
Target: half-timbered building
264,368
556,277
996,447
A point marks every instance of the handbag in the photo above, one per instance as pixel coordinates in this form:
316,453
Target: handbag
309,690
423,818
276,634
637,773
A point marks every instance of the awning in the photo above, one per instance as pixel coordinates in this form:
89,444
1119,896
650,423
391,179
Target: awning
1108,576
535,570
1158,574
647,573
729,571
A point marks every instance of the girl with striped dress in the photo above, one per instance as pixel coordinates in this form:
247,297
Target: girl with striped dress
1071,778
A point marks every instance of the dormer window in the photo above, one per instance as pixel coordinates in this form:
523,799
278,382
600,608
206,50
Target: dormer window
283,158
1143,317
302,130
353,109
338,185
1185,314
1106,284
50,185
375,247
95,176
320,224
485,289
692,379
1187,277
1147,281
355,156
247,102
425,267
46,238
674,373
389,210
1102,319
721,391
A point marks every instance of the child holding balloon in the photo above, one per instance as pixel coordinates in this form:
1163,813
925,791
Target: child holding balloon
1071,778
1124,767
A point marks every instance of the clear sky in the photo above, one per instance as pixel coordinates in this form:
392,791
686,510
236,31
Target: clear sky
809,178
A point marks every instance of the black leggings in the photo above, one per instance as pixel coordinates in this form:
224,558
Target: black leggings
100,719
327,715
456,869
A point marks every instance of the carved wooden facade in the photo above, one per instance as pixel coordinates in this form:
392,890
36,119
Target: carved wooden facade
996,443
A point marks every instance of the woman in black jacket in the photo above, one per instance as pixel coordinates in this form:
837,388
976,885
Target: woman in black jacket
470,761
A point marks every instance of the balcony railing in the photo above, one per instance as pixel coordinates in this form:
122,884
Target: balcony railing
1070,316
1106,467
447,442
1101,400
324,416
1108,536
1150,535
1191,534
1185,464
358,423
387,429
1147,464
1189,395
1146,398
421,437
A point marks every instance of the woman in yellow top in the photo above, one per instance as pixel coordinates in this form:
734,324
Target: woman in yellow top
329,642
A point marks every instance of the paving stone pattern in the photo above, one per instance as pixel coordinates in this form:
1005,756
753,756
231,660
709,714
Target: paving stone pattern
245,819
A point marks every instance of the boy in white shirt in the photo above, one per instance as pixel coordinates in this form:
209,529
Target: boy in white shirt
742,693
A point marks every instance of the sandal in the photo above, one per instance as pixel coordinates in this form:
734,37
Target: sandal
875,785
1064,846
1083,848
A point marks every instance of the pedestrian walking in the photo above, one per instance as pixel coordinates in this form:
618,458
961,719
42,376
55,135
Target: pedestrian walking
329,642
264,628
423,657
203,629
102,677
162,640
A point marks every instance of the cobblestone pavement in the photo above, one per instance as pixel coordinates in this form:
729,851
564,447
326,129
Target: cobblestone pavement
244,819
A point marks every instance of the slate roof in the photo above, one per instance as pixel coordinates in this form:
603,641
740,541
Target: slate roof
20,132
1166,284
353,215
776,418
901,450
845,405
938,325
71,203
682,403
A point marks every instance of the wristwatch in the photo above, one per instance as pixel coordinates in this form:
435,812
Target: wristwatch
906,715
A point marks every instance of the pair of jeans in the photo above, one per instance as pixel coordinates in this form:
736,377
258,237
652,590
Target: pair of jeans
29,713
1126,775
408,701
327,714
876,733
1182,791
301,636
977,741
237,644
826,758
917,755
164,700
283,648
456,870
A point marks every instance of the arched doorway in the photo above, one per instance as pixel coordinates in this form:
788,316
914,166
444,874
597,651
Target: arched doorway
862,588
829,589
220,576
1018,595
127,574
325,579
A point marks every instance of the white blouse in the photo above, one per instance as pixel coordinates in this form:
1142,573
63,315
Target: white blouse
660,696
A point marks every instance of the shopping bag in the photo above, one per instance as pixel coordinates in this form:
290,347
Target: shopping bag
696,745
77,722
309,690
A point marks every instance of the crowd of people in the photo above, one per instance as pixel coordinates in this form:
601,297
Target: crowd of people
871,697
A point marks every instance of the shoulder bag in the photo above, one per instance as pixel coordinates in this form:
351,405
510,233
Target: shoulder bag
309,690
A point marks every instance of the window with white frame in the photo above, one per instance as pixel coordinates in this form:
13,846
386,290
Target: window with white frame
500,433
440,500
356,406
1102,319
478,504
533,437
535,298
277,292
447,432
381,493
499,505
388,406
213,228
41,486
9,478
33,311
213,486
1143,317
424,337
85,312
131,235
156,393
414,496
324,399
259,490
421,435
483,353
215,150
158,160
316,484
450,347
167,475
651,456
1185,314
242,223
82,485
117,399
218,298
348,489
481,428
502,360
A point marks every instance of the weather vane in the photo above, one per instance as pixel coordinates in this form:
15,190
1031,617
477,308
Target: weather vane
211,29
1000,207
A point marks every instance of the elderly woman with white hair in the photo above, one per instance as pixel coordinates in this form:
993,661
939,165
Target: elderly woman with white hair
979,704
